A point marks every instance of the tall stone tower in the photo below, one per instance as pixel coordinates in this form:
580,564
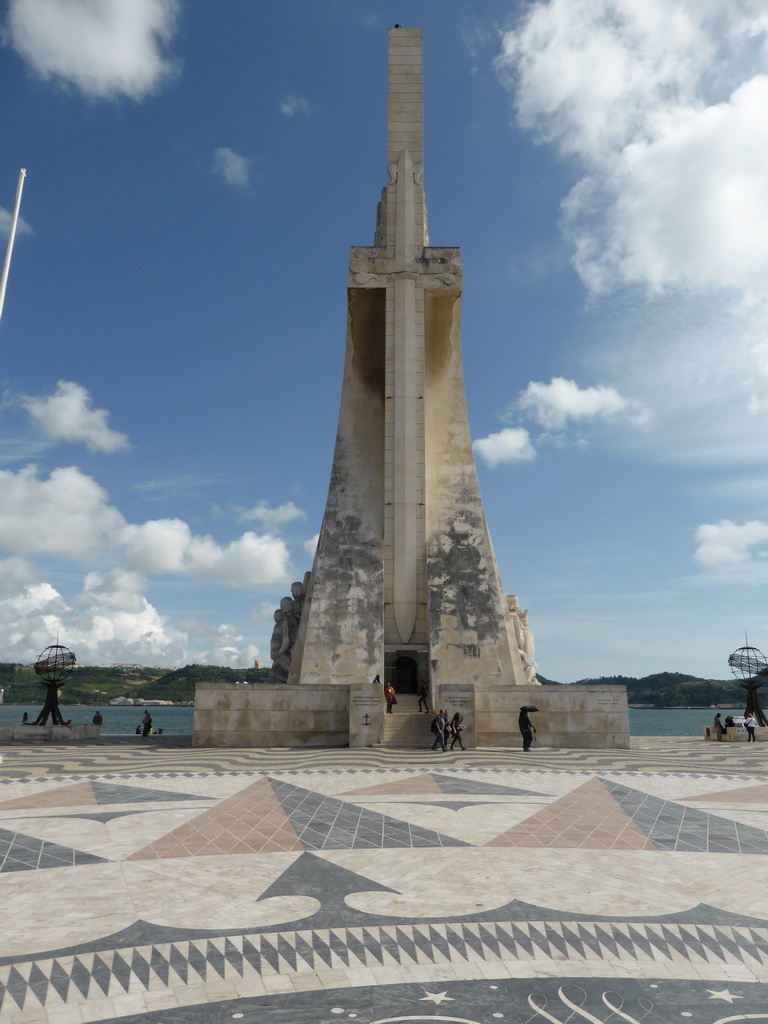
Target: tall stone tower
405,582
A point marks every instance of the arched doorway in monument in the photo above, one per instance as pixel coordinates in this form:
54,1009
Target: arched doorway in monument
406,675
406,668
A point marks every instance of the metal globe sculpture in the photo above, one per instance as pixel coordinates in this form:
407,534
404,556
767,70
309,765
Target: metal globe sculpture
53,666
747,662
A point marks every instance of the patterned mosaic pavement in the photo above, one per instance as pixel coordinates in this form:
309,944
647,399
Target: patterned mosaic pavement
179,885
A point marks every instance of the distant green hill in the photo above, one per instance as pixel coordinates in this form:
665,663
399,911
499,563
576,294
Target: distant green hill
96,685
674,689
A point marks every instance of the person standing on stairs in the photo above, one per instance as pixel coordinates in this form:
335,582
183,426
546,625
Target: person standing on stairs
423,696
390,697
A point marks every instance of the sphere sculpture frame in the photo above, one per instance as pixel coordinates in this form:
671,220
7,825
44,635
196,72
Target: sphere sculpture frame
748,664
53,666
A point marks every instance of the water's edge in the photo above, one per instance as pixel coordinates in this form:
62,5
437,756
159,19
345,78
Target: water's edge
122,721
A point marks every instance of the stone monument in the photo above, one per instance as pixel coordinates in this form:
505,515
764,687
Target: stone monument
405,582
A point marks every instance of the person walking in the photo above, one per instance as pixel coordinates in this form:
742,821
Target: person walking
527,730
423,696
749,724
438,728
457,728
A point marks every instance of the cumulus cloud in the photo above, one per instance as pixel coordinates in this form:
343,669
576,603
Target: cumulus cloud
658,106
553,405
69,515
292,105
726,543
109,620
67,415
310,546
106,49
510,445
233,168
661,102
169,546
271,518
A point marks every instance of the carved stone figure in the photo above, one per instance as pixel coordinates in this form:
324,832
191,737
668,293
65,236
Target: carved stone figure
523,637
279,650
286,631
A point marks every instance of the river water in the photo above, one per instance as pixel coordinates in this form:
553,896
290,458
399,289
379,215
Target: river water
178,721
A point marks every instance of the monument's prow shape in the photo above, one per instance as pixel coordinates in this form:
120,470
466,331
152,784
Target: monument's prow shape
405,582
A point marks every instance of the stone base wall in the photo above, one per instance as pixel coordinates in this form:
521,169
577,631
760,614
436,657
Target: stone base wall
593,717
332,715
229,715
736,734
47,733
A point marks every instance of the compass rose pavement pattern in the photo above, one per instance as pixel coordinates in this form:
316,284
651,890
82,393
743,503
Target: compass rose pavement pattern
303,888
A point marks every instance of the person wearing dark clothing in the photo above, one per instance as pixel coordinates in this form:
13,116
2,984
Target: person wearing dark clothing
527,729
97,719
439,725
457,728
147,724
424,696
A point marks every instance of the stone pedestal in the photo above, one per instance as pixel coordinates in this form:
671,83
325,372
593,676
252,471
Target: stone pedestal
47,733
366,715
569,716
460,697
231,715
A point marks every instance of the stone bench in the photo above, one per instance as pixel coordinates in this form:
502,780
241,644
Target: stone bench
47,733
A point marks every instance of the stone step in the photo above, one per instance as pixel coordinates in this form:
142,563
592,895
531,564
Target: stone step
407,704
407,730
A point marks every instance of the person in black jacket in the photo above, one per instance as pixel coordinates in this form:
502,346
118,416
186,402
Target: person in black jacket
527,729
457,728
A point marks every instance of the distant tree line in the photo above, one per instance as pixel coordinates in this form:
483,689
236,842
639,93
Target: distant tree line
97,685
674,689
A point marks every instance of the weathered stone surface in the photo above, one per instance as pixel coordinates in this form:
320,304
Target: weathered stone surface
366,714
231,715
47,733
568,716
404,564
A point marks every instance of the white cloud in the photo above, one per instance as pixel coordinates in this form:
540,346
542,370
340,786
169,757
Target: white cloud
291,105
662,103
271,518
553,405
513,444
310,546
658,106
726,542
169,546
110,620
6,219
104,48
66,415
68,514
233,168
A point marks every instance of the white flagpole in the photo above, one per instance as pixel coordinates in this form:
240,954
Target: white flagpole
11,237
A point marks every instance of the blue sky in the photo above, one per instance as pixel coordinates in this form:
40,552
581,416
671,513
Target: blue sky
172,341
